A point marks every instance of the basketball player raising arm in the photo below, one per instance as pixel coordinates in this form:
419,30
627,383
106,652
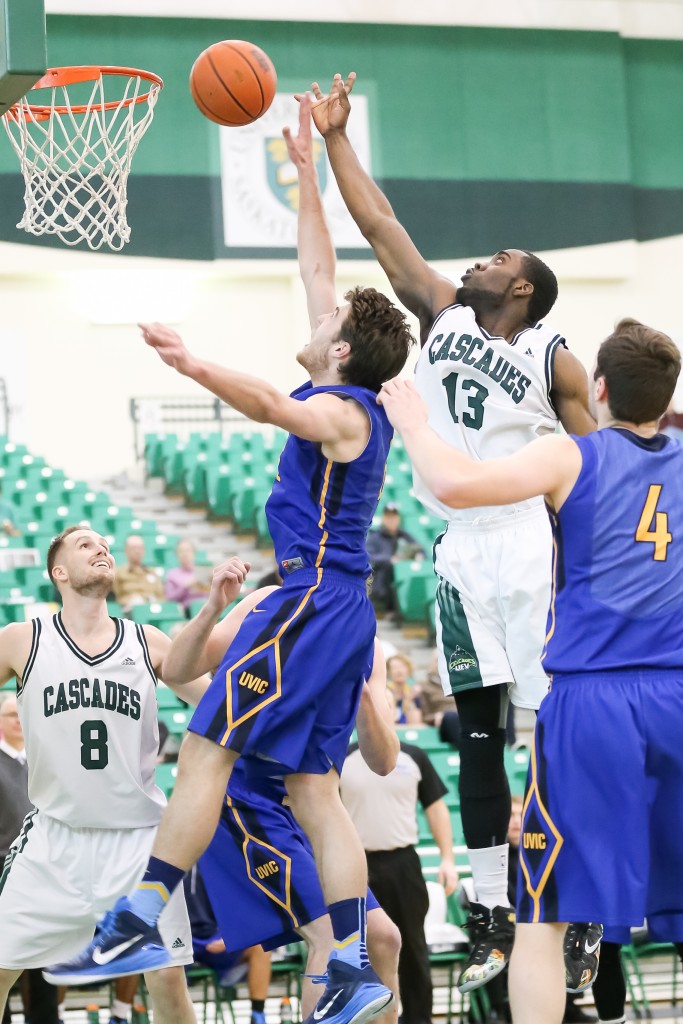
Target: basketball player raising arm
332,355
288,687
614,653
494,378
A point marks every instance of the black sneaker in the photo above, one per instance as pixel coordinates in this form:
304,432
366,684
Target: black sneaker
492,933
582,955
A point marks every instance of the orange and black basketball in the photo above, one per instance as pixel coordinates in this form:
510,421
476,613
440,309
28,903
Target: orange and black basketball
233,82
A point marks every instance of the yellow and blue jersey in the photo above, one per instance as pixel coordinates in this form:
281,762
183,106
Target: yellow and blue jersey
319,511
617,598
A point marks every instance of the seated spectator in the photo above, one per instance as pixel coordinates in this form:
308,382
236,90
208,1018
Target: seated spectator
8,518
438,708
209,948
400,683
135,582
187,582
388,544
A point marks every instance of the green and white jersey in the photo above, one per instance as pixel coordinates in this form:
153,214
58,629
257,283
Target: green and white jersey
90,726
486,396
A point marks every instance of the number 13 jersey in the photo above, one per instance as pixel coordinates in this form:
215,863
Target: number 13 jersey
486,396
90,727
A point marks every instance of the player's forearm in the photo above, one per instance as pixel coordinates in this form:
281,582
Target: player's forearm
249,395
444,470
439,822
185,658
314,242
364,200
377,739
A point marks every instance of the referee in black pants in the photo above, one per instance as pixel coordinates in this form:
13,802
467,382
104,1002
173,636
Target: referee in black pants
384,811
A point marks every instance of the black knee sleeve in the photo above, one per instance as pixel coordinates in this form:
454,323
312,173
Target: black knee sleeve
483,783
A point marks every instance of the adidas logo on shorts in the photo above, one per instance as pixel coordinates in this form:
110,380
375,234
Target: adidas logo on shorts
127,661
178,944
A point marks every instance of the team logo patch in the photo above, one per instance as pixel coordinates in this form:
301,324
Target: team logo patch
127,661
460,660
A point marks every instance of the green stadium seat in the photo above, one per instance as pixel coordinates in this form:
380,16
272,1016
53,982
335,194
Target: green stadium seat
175,719
165,777
36,582
158,612
157,447
415,586
166,698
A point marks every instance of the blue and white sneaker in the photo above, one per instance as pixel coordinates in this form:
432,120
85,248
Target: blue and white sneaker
123,944
352,996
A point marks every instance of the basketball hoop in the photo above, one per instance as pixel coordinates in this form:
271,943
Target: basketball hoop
76,149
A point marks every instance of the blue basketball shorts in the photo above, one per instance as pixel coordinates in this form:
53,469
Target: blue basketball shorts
260,873
602,826
287,690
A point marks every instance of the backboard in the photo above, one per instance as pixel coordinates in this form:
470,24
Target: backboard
23,48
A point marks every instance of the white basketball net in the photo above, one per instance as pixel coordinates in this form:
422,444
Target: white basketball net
76,164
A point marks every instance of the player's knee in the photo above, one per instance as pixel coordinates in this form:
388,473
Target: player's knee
313,796
168,988
482,763
384,943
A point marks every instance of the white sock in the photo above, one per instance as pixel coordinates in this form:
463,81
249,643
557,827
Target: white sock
119,1009
617,1020
490,875
60,1009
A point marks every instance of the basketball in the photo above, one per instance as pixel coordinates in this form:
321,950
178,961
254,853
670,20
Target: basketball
233,82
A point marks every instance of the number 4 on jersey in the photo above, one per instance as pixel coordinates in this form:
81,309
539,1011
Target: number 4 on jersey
660,536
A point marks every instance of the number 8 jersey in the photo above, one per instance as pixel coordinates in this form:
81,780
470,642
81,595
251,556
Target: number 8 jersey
486,396
90,727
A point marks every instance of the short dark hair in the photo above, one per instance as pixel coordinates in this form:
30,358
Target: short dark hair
55,545
379,336
640,366
544,281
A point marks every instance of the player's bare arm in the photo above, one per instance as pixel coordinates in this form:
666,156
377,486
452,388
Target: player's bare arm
548,466
439,821
569,394
317,259
323,418
159,644
187,656
417,285
377,739
15,647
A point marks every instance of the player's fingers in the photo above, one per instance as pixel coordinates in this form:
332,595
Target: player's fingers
317,92
350,82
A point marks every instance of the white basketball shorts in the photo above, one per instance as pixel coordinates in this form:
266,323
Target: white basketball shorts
492,603
59,881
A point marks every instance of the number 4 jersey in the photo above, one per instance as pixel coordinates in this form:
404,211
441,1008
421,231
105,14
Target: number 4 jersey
487,397
617,598
90,726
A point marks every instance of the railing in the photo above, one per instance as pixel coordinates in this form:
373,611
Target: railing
175,414
4,408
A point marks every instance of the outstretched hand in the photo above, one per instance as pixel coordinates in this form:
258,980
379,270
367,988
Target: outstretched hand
402,404
300,146
226,583
168,344
331,112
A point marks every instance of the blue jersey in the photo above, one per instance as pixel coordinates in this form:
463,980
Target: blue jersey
319,511
617,598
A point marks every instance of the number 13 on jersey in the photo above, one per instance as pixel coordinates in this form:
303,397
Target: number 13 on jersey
660,536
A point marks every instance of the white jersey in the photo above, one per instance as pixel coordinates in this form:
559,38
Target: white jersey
91,730
487,397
